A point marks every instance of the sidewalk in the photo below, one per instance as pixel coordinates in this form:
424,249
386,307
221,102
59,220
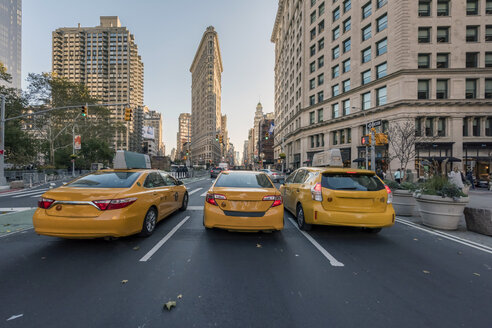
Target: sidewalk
13,222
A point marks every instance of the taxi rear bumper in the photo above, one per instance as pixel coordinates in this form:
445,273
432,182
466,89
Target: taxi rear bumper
214,217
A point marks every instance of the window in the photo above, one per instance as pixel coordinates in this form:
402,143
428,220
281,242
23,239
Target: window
312,141
335,136
347,4
429,126
382,23
472,7
313,33
312,67
366,100
347,25
320,115
312,84
418,126
471,89
346,85
381,96
346,45
442,60
312,100
312,50
488,88
465,127
366,76
335,71
346,107
313,16
366,33
488,7
321,9
335,33
441,127
335,112
335,52
321,96
442,89
488,127
335,90
381,70
321,61
321,26
349,135
366,10
423,89
381,3
346,66
488,59
424,8
382,47
366,55
442,34
342,136
321,44
443,8
321,79
336,14
471,59
488,33
476,126
311,117
471,33
424,34
424,61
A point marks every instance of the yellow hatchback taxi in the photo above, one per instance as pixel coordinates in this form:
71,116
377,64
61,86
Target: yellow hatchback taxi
110,203
243,201
338,196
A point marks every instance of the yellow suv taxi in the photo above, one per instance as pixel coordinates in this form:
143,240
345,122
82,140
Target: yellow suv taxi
338,196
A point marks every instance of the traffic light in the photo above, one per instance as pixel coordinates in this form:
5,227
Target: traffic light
381,139
216,137
128,114
220,138
85,111
365,140
266,136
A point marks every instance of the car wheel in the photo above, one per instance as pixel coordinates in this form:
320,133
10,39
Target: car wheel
184,205
149,222
300,219
372,230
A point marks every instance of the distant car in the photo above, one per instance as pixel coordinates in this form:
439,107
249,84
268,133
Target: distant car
214,172
274,175
483,181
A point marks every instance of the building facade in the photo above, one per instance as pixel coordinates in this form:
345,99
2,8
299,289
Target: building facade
341,64
105,58
11,40
206,118
265,142
153,119
184,134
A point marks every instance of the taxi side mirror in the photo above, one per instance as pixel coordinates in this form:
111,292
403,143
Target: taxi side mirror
179,183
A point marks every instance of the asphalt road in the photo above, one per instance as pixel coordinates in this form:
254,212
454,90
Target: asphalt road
331,277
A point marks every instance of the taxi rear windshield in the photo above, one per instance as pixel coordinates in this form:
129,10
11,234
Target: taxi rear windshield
106,180
351,181
243,181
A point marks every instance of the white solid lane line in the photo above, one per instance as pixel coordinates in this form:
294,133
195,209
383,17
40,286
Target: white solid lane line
163,240
459,240
194,191
329,257
204,194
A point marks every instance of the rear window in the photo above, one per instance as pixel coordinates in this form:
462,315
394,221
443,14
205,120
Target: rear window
347,181
243,181
106,180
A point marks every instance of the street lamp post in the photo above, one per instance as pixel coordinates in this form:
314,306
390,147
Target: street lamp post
3,181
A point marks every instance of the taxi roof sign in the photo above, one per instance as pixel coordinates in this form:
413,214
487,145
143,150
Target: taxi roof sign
332,158
130,160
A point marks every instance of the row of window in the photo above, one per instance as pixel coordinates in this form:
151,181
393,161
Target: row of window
317,140
442,89
342,136
476,126
427,126
443,35
443,7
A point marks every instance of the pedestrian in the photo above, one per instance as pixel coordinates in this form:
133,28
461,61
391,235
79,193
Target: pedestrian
455,178
379,173
409,176
469,177
398,176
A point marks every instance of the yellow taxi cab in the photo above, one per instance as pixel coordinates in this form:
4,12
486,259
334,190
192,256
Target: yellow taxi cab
243,201
110,203
338,196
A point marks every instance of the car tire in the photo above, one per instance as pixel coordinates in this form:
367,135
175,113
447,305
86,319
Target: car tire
372,230
149,222
184,204
300,219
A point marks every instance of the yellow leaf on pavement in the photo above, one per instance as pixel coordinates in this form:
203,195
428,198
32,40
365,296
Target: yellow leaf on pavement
124,281
180,296
425,271
258,245
476,274
170,305
136,248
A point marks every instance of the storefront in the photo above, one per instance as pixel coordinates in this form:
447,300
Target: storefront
381,157
477,157
430,155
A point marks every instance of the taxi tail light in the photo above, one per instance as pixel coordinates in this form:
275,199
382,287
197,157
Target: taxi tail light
45,202
316,192
114,204
212,197
390,194
277,200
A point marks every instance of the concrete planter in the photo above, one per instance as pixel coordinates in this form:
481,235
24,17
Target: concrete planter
441,213
404,203
479,220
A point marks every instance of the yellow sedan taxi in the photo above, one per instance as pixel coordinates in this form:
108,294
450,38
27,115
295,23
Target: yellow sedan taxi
338,196
110,203
243,201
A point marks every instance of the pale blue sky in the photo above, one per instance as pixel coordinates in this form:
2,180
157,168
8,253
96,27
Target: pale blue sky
167,34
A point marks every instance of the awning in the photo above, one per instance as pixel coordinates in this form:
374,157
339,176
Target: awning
359,160
441,159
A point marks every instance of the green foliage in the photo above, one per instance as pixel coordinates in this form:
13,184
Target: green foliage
409,186
393,185
440,186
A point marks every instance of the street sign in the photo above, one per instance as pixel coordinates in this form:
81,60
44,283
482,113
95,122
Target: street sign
77,142
374,124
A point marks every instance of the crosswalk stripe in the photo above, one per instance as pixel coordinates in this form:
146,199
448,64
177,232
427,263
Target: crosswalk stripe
35,196
37,192
204,194
194,191
8,194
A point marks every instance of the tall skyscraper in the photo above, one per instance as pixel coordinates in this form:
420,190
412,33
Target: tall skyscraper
11,39
105,58
153,119
206,71
184,134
